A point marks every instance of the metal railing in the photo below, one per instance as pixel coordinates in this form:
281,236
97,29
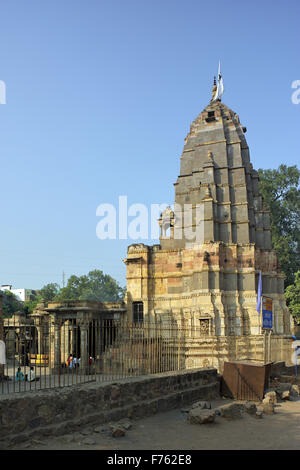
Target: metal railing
67,352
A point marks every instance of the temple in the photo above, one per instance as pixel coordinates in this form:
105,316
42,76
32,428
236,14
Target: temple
210,281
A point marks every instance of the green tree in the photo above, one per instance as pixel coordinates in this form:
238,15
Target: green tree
11,304
95,286
281,193
48,292
292,294
29,305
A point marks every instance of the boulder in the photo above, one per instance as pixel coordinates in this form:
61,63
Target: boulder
231,410
294,392
285,395
271,397
117,430
199,416
250,408
125,424
268,408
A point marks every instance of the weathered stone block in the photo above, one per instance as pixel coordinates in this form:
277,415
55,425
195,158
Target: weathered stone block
268,408
231,411
271,397
200,416
250,408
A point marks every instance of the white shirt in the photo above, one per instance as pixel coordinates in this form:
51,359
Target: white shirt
2,352
31,376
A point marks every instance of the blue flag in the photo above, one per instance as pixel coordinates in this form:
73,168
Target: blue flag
259,293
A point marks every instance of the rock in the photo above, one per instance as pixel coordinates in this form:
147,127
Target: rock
268,408
115,393
231,410
126,424
200,416
117,431
271,397
294,392
285,395
85,432
250,408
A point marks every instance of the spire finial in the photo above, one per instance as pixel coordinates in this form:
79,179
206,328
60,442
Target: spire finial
214,88
219,89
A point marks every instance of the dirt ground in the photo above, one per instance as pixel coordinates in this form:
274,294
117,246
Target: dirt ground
171,431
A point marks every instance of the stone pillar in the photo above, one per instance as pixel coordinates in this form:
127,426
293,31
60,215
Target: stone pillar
84,356
98,339
57,344
40,333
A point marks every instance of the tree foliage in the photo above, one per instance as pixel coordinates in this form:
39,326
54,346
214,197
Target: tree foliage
11,304
95,286
281,193
292,294
49,292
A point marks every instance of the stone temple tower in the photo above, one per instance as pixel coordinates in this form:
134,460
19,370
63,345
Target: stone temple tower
211,282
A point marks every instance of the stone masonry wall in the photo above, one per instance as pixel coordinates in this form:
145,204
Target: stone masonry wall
61,410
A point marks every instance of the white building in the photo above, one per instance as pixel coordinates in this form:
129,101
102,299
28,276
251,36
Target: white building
21,294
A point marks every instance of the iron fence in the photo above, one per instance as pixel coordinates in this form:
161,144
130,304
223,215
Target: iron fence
67,352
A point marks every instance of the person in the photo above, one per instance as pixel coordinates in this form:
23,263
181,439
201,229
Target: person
19,375
69,360
90,360
74,362
2,353
31,376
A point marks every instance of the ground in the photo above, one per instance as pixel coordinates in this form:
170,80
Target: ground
171,431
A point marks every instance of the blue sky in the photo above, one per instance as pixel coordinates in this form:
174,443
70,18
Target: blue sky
99,98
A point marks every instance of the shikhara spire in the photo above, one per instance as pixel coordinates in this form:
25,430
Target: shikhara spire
218,89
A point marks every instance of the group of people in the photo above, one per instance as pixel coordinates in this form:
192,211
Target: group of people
30,377
73,362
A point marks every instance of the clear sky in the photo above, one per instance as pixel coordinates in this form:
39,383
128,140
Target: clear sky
99,98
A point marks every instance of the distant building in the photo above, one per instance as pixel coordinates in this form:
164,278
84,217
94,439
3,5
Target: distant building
21,294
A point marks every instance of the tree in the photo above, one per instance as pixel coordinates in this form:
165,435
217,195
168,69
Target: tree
46,295
95,286
11,304
49,292
281,193
292,294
